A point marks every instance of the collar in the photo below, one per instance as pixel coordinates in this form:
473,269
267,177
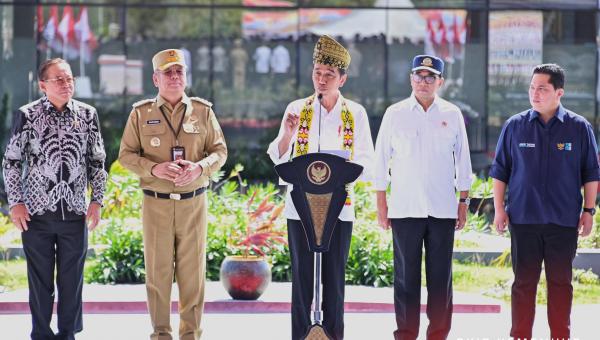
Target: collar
48,106
560,114
336,107
160,101
412,102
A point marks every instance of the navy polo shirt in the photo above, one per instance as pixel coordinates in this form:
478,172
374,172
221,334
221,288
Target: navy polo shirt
545,166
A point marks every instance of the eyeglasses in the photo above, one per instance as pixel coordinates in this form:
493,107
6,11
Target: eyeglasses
429,79
173,72
60,80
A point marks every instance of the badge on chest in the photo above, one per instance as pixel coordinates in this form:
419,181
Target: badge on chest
177,153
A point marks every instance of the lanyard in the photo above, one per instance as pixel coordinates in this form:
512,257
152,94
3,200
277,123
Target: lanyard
171,126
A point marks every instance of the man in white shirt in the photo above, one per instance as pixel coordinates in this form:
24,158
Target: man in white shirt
422,150
309,125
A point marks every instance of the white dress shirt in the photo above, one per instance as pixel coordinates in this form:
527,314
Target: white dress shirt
427,155
262,56
280,59
332,135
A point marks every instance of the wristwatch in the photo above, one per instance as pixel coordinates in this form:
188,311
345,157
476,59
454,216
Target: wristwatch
466,200
592,211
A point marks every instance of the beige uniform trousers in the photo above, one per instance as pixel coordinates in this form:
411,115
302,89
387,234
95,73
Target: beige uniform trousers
175,243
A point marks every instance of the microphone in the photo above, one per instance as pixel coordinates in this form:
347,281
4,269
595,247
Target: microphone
319,96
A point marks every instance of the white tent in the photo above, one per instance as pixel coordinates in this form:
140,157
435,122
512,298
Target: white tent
368,22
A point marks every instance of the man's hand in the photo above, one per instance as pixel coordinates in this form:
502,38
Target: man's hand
586,221
20,216
462,216
382,211
291,124
190,171
501,220
93,215
167,170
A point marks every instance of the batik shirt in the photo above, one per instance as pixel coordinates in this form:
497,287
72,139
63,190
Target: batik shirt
52,157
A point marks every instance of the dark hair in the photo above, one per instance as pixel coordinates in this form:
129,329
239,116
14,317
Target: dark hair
46,65
342,71
556,73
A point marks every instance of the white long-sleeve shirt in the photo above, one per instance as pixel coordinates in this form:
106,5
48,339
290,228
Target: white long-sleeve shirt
280,59
425,156
332,135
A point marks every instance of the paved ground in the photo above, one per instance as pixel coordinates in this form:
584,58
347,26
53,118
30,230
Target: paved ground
276,326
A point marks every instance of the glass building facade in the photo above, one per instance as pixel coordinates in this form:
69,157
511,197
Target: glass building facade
252,57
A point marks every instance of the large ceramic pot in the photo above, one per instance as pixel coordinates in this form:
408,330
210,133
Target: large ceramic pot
245,278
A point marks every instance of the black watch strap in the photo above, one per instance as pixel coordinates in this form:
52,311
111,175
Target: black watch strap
592,211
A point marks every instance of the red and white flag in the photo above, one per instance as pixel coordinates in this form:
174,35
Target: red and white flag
84,35
50,31
66,31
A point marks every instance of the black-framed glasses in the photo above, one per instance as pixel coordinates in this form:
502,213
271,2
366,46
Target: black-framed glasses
429,79
60,80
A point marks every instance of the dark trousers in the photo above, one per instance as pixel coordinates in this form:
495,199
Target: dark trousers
333,271
437,235
50,243
531,245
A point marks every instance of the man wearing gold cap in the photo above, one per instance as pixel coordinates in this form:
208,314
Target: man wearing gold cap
174,143
323,121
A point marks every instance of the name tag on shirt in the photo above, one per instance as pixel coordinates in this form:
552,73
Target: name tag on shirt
153,122
527,145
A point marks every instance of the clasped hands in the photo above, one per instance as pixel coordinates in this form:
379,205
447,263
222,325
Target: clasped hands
180,172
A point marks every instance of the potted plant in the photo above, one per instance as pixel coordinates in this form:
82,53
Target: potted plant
247,275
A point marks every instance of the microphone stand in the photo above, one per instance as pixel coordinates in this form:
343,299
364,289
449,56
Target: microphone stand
319,97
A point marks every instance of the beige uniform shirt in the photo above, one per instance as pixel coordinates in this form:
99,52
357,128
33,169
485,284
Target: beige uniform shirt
147,140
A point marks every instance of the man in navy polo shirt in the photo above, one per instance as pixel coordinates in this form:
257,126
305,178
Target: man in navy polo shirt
545,155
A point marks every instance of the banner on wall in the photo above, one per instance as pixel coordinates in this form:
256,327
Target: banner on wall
515,45
284,24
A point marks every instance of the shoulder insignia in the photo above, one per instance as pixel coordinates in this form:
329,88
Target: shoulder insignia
201,100
142,102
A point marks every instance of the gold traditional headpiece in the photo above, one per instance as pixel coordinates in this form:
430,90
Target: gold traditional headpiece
330,52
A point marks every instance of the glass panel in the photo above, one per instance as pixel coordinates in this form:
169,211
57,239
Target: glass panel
183,3
457,37
84,2
18,84
257,3
539,4
341,3
519,40
399,4
254,77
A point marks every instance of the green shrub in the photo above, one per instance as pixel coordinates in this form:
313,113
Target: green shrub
585,277
122,261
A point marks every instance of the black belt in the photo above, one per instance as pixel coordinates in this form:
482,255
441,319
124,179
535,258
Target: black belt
175,196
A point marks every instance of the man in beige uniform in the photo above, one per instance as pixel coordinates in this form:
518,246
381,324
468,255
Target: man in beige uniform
174,143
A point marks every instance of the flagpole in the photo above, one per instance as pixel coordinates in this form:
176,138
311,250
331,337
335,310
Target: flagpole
81,61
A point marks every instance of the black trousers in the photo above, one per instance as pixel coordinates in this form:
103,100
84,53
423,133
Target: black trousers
48,244
333,279
437,235
532,244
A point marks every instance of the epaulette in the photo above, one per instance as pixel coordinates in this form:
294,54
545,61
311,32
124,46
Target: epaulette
143,101
201,100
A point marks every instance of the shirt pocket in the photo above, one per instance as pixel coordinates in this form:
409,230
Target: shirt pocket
404,143
443,142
